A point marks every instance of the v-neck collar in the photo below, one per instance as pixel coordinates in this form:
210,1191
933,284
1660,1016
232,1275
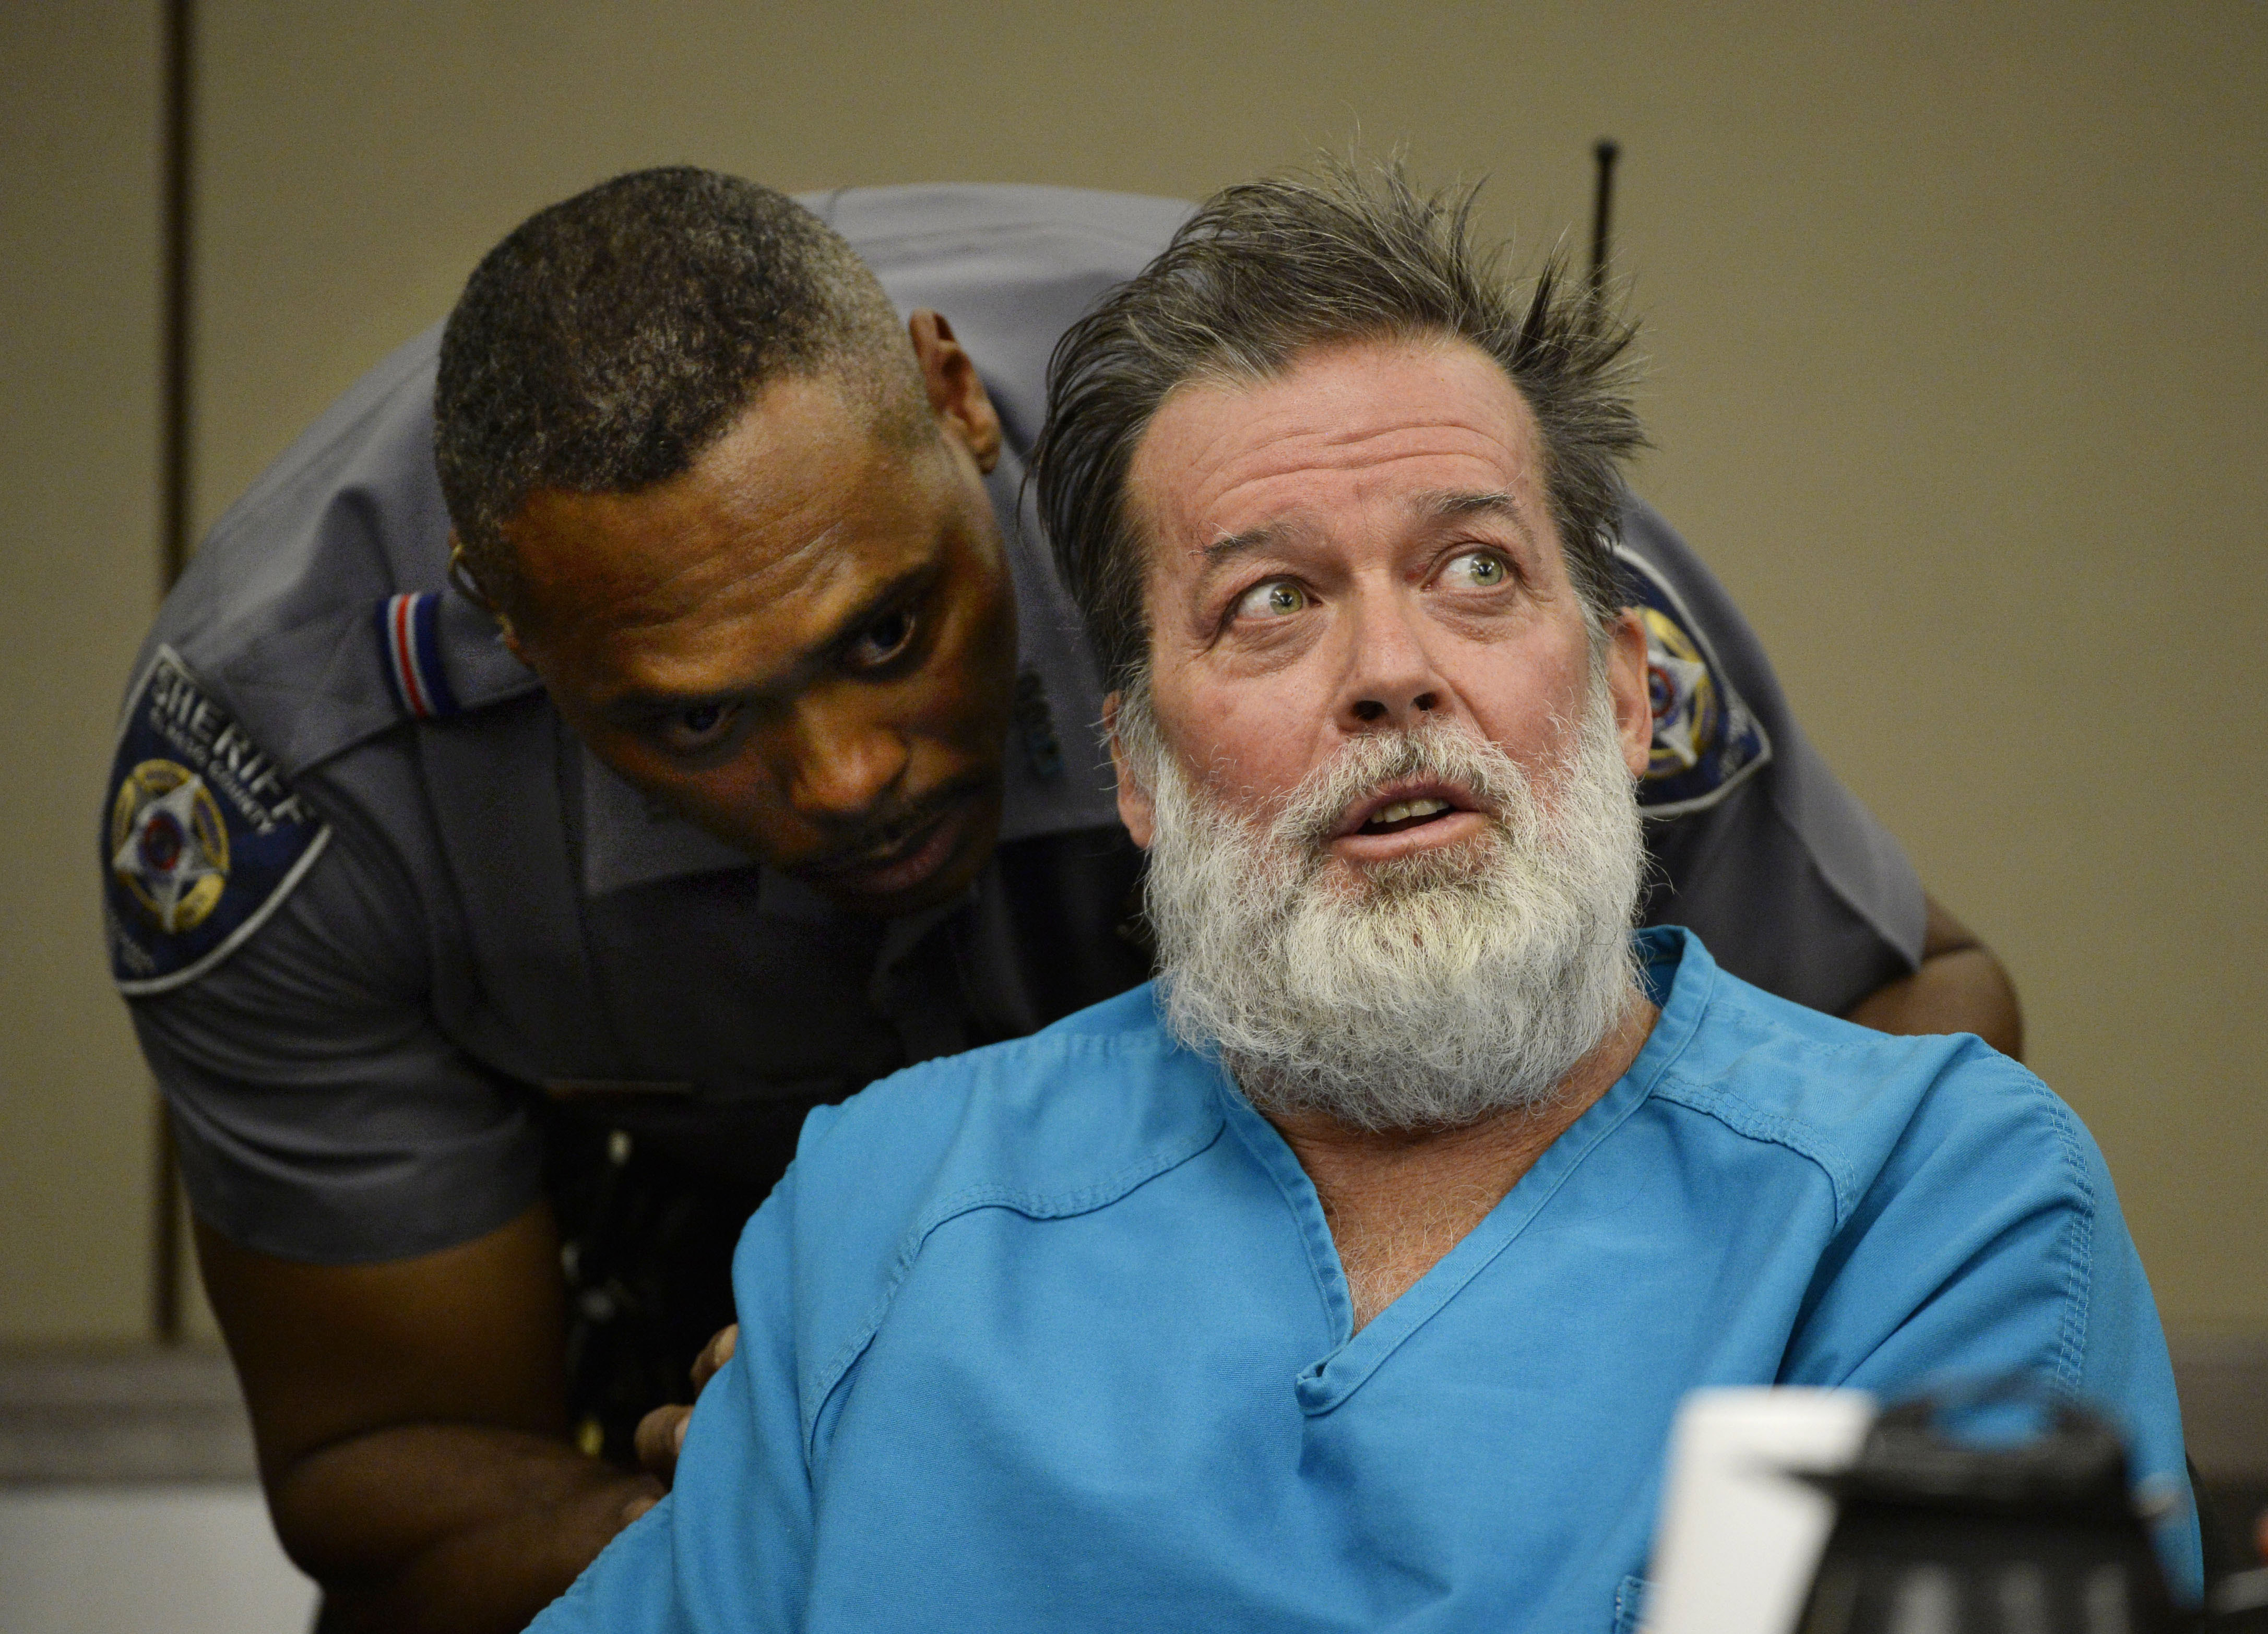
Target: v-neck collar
1679,976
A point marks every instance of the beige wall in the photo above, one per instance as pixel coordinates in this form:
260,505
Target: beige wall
78,581
1959,379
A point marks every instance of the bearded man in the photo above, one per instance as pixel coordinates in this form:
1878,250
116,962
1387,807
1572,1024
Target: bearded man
1350,1276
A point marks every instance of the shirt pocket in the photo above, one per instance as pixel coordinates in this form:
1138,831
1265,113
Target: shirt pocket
1630,1604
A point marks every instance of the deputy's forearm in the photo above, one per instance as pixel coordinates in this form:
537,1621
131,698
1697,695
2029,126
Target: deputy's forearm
1960,987
1961,992
447,1529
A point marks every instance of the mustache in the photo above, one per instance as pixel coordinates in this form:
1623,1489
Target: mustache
879,836
1442,752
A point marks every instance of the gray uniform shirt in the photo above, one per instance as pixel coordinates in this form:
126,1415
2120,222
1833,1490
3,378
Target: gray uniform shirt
374,905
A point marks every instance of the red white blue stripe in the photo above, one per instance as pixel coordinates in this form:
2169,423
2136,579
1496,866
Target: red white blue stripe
409,632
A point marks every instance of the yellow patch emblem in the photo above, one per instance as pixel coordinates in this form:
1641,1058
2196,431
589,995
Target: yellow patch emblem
168,844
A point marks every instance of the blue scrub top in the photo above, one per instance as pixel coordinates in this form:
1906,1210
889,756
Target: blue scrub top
1052,1336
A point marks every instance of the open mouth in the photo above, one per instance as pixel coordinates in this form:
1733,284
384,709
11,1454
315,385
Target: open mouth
1407,815
1401,816
1405,805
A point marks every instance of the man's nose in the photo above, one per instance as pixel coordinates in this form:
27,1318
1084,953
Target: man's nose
843,769
1390,678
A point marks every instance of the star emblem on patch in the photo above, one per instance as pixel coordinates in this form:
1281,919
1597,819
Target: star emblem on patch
1683,700
169,846
1705,740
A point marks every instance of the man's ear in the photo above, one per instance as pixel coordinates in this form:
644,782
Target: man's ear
1135,809
956,392
1626,677
461,577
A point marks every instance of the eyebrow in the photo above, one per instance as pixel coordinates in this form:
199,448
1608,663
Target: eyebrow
1233,545
634,707
1448,506
1454,506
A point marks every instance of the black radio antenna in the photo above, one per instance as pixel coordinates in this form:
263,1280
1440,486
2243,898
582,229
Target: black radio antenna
1602,217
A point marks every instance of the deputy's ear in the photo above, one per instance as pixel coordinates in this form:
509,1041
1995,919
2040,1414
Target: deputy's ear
956,391
462,579
1135,809
1626,678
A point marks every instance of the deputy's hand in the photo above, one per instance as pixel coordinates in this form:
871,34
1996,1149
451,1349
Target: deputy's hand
661,1432
411,1417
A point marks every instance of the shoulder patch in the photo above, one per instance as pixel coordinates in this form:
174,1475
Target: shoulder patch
1705,741
202,838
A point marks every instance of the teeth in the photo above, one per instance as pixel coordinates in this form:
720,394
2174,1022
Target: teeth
1401,809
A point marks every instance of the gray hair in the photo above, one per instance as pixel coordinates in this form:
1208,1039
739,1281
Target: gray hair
1425,991
1266,270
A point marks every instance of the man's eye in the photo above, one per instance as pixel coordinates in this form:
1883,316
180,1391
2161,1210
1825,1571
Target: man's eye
1278,598
702,726
883,640
1476,570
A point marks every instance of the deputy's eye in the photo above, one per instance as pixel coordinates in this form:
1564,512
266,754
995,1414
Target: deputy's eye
1278,598
1476,570
705,725
883,639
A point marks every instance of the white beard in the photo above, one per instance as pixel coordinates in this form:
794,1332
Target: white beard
1427,992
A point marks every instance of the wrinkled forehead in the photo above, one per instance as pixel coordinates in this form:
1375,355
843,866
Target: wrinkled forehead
1348,427
804,454
786,527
